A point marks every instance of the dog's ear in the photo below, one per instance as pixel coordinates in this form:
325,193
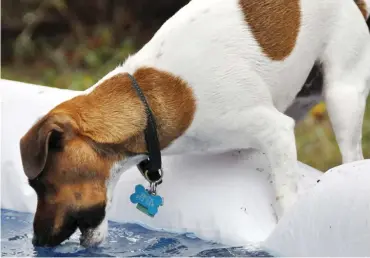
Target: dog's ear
48,134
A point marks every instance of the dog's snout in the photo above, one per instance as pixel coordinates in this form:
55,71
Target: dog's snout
44,241
48,233
40,241
36,241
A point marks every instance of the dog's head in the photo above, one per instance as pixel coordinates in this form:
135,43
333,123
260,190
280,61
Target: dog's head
71,154
69,172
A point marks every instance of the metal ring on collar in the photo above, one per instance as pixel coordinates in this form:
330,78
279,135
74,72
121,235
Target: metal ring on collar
153,182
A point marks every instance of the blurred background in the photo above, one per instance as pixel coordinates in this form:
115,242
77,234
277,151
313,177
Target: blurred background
72,43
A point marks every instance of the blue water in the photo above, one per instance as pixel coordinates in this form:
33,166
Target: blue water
123,240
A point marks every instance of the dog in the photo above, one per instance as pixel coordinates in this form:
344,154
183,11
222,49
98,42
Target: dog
218,76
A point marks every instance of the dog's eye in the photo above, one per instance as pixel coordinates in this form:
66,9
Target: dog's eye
55,141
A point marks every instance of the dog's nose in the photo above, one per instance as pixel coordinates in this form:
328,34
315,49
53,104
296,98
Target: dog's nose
38,241
35,241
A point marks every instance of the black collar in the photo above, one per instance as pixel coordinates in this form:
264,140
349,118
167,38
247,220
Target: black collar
150,168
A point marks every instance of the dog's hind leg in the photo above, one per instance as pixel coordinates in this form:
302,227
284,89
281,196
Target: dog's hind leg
346,84
346,105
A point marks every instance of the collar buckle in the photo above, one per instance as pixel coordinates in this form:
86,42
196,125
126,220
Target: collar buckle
153,176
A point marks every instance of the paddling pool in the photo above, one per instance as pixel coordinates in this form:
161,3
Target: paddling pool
128,240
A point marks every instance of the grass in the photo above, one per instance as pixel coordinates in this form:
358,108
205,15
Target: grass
316,142
74,80
315,139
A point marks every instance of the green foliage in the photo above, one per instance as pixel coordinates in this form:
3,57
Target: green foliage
72,68
316,142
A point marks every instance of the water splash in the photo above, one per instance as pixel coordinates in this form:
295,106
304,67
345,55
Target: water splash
129,240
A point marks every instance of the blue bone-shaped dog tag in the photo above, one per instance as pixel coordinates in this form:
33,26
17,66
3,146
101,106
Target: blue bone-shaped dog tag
146,202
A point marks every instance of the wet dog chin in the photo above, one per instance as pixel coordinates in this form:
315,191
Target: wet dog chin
94,236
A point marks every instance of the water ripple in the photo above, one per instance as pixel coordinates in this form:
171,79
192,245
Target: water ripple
129,240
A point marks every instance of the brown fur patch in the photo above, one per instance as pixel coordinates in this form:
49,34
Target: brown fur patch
114,114
68,154
363,8
274,23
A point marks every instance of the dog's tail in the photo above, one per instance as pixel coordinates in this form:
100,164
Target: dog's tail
364,6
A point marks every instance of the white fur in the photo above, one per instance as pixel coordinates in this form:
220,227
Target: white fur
95,236
241,94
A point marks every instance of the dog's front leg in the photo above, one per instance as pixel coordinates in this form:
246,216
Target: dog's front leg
273,133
